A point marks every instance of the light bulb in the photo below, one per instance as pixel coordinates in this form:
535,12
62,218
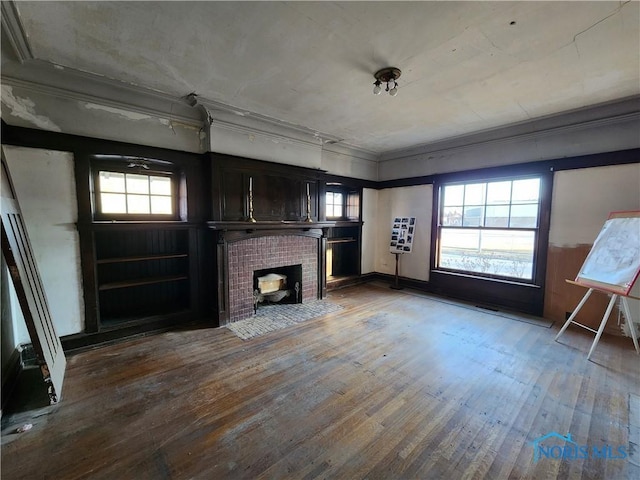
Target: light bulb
394,91
377,89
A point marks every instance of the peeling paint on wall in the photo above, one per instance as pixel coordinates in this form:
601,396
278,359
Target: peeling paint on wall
117,111
24,108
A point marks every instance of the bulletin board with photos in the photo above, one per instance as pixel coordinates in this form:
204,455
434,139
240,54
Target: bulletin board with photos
402,233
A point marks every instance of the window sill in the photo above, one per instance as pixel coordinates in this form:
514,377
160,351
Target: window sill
486,279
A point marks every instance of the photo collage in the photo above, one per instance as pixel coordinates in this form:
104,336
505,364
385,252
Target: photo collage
402,233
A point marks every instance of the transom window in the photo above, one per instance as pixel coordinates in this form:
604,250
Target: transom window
489,228
135,193
135,188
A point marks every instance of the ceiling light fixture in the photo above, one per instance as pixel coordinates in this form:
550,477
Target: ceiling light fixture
387,75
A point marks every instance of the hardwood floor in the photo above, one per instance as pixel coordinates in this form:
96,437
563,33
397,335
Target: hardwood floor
392,386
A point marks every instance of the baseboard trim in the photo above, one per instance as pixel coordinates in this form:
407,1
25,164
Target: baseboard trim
421,285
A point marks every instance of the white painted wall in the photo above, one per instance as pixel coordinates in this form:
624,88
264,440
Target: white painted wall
45,186
619,133
349,164
583,199
416,202
369,229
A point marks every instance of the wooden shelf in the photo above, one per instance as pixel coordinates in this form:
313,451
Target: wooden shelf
143,281
341,240
141,258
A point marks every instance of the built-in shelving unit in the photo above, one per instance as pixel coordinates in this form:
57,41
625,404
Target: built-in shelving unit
343,253
142,273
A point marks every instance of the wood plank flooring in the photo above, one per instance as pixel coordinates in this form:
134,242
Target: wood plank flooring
394,386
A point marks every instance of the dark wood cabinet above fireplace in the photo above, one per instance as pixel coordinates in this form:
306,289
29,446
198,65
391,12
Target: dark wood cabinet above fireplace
279,191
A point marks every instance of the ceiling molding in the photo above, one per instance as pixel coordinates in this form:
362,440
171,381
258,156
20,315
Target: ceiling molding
348,151
79,86
612,113
12,25
292,129
278,137
75,85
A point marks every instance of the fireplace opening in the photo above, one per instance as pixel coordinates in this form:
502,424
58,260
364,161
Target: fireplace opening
277,285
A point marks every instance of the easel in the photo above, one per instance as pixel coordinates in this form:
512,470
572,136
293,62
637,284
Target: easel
614,297
606,271
396,284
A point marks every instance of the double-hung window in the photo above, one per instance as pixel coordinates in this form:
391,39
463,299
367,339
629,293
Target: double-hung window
489,228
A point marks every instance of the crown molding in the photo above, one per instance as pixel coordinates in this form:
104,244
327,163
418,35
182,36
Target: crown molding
12,26
57,81
611,113
265,125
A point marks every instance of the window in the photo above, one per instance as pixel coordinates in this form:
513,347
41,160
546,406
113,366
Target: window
490,228
342,203
353,206
132,193
335,204
127,188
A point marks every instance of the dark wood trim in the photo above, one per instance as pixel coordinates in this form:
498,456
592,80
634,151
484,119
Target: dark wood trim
249,227
512,295
122,225
350,182
79,342
251,165
421,285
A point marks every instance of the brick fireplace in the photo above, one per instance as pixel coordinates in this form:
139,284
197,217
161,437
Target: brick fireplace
245,248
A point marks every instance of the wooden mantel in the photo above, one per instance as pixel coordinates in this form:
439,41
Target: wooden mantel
271,225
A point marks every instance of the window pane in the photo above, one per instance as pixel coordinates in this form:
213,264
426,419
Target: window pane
334,204
111,182
353,206
113,202
452,216
494,252
137,183
160,185
161,204
453,195
329,210
474,194
526,191
473,216
499,192
524,216
497,216
329,198
138,203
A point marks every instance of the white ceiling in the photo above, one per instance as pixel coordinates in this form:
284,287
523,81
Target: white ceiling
466,66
